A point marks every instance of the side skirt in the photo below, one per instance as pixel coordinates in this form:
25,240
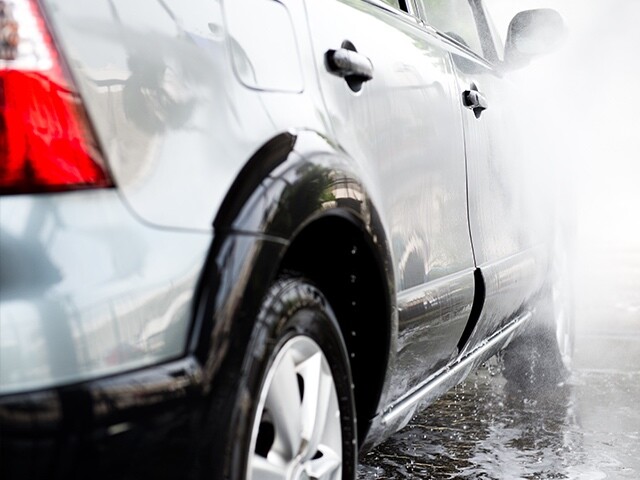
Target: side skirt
399,414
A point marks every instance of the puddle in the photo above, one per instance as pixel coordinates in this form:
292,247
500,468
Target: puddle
588,428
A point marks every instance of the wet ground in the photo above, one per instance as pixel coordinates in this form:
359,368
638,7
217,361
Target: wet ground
587,428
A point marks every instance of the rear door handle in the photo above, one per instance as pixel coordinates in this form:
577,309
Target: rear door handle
347,63
474,100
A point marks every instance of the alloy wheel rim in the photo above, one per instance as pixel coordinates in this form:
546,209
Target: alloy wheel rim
296,432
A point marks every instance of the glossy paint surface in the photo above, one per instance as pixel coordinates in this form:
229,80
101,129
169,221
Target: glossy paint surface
161,84
432,318
264,48
127,427
512,287
410,102
404,128
508,209
86,290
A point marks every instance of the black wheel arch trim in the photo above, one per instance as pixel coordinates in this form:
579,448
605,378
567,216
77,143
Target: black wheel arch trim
295,180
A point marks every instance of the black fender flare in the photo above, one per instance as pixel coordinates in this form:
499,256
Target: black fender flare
293,180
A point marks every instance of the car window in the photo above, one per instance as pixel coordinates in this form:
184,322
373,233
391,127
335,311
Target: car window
455,19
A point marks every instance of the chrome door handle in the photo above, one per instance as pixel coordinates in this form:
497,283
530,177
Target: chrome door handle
347,63
474,100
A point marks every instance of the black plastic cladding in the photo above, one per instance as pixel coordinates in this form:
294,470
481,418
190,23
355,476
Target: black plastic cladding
136,425
476,308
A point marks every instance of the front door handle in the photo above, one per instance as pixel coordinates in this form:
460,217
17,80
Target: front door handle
347,63
474,100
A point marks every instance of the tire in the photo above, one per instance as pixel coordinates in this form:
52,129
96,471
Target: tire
292,413
539,359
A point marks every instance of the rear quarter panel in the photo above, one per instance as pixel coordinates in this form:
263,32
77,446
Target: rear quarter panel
173,117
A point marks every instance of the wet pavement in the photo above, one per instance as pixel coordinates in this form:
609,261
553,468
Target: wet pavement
587,428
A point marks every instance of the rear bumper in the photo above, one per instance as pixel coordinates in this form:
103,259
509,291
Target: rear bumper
95,306
142,424
87,290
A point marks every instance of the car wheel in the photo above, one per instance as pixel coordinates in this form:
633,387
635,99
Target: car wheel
294,414
540,358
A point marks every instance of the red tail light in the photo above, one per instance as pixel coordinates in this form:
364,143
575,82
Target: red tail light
46,143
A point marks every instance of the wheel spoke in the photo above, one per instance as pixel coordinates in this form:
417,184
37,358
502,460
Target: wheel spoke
263,469
316,402
326,467
283,402
293,433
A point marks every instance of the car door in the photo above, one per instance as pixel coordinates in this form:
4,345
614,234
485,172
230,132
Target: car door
402,127
506,228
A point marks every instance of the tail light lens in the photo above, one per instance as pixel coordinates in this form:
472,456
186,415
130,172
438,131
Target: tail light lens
46,143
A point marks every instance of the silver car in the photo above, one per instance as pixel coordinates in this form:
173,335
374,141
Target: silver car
249,238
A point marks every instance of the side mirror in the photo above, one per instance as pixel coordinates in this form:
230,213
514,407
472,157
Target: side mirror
532,33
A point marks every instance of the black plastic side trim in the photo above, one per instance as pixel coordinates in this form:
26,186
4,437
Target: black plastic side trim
143,424
262,163
476,308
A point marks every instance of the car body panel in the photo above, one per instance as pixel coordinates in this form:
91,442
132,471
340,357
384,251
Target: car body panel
127,427
419,188
426,313
508,220
86,290
512,286
168,108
